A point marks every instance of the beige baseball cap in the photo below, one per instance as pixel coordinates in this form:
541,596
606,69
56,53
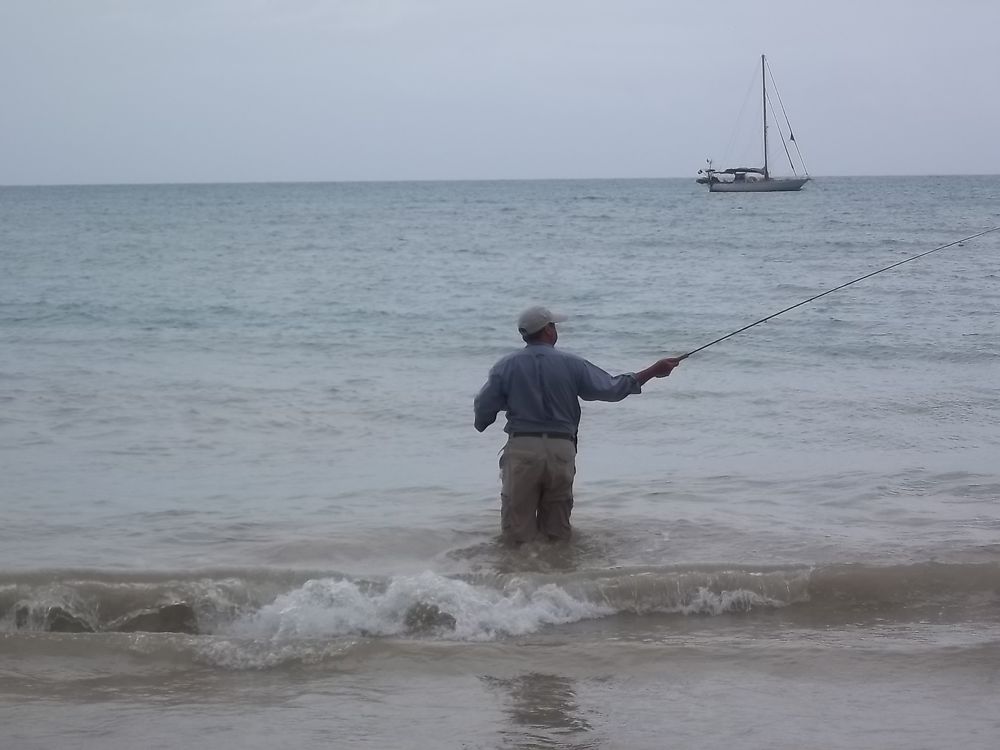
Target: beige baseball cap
536,318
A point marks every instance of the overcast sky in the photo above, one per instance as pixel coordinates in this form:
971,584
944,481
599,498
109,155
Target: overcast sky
121,91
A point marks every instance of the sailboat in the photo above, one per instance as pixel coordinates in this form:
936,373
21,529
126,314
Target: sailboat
757,179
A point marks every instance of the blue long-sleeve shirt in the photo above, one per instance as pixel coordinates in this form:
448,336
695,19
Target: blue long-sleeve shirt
540,388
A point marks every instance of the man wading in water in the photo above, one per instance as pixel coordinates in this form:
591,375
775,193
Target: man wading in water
540,389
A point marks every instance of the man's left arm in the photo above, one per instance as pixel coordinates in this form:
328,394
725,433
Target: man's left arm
489,401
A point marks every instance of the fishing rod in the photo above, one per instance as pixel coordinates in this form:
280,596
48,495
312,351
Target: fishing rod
836,288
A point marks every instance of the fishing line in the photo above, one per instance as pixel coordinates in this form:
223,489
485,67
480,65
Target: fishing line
836,288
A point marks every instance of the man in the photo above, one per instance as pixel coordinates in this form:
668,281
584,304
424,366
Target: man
540,389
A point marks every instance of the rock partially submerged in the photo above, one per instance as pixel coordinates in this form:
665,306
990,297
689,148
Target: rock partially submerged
59,620
178,617
421,618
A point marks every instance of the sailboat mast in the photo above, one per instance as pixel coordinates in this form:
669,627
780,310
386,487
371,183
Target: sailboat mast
763,94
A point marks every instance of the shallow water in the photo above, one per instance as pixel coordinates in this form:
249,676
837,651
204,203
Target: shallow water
256,400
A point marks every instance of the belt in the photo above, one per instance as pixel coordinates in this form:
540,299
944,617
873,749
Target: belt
556,435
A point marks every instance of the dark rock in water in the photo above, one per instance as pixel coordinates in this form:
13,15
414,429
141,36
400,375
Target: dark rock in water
58,620
423,617
169,618
21,615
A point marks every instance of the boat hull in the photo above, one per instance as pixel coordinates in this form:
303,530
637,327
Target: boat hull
770,185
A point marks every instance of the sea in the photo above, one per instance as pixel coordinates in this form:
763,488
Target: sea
243,504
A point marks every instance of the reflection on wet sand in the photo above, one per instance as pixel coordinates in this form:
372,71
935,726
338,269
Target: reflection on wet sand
543,713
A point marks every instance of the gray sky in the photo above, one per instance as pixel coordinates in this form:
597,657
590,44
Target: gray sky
109,91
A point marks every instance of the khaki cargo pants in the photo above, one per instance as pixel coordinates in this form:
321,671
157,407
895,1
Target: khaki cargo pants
536,497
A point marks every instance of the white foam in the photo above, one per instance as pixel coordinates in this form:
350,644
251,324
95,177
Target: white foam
331,607
249,655
707,602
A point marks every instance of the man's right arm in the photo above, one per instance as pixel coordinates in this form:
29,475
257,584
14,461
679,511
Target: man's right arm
659,369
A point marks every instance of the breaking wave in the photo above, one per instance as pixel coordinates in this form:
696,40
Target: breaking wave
259,619
302,604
